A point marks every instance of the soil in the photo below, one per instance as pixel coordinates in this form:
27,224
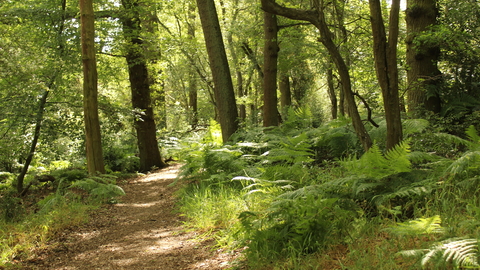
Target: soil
143,231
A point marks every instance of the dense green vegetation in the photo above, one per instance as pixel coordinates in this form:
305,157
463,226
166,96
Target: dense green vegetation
363,155
304,195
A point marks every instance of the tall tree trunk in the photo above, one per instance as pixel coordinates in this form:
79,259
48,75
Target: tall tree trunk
224,93
93,141
385,54
192,78
270,63
285,92
423,75
331,92
145,127
317,18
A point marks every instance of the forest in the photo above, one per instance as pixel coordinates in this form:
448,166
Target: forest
321,134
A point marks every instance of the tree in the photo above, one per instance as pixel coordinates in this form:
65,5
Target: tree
316,16
224,92
140,80
93,141
385,53
270,62
423,74
192,78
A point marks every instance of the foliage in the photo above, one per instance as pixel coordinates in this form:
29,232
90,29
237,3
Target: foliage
101,188
374,164
296,222
418,226
460,253
11,208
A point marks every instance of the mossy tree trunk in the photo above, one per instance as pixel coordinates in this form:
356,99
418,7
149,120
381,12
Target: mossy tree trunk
423,75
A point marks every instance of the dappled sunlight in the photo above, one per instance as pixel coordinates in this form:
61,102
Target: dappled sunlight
139,205
141,232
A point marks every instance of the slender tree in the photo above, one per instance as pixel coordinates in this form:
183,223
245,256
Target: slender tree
270,63
192,78
385,54
93,142
331,92
224,92
149,152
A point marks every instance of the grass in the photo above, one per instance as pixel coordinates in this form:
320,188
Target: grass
27,223
20,239
372,245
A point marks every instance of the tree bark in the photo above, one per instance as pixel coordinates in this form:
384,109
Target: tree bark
285,92
93,141
423,75
145,127
192,78
224,92
385,54
331,93
270,67
317,18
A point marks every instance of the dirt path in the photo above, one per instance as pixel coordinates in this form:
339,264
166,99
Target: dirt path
141,232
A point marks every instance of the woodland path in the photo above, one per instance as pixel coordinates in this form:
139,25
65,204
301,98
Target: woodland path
141,232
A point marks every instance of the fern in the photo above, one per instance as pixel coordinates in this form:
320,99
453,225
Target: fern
263,186
411,126
474,138
418,226
468,162
101,188
463,253
374,164
291,150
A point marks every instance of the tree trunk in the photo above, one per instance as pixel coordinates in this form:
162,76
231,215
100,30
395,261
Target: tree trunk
270,63
145,127
93,141
192,78
224,93
423,75
285,92
385,54
331,93
36,136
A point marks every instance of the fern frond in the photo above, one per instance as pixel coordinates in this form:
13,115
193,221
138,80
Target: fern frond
418,226
422,157
462,252
411,126
449,138
398,157
410,192
474,138
374,164
469,161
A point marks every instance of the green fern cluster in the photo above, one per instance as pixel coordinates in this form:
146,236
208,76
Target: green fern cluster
101,188
297,222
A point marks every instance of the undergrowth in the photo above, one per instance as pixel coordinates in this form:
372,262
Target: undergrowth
310,198
27,223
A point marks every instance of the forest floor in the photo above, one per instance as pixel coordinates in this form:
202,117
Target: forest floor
142,231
